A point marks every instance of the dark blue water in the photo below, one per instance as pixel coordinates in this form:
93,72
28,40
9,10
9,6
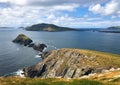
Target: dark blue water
14,57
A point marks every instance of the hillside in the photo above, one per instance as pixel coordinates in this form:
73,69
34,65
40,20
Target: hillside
47,27
113,29
72,63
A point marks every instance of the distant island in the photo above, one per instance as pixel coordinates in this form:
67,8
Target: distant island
113,29
48,27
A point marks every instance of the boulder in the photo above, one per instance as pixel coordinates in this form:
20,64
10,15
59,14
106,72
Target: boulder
39,47
22,39
35,70
31,45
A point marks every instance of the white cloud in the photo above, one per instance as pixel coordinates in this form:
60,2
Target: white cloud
111,8
28,12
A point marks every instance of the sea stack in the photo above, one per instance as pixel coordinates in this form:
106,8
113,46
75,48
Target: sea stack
26,41
22,39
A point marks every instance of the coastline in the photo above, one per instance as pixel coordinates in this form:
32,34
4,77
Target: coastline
109,75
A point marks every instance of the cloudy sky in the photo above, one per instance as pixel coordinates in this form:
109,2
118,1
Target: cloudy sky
70,13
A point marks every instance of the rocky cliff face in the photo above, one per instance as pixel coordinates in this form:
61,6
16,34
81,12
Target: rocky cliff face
71,63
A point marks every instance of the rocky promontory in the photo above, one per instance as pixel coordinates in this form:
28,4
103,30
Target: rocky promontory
26,41
72,63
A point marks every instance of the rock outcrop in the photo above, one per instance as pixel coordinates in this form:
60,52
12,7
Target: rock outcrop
70,63
22,39
39,47
26,41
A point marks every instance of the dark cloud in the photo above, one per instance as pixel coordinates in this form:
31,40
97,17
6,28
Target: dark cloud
48,3
60,2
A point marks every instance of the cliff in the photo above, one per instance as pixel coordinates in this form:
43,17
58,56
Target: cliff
72,63
47,27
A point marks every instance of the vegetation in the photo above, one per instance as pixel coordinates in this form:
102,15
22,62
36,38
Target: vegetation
22,39
114,27
100,57
47,27
38,81
53,81
23,36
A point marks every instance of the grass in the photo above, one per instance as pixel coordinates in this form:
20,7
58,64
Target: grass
101,57
23,37
38,81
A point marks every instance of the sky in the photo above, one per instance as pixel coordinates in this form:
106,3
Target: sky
68,13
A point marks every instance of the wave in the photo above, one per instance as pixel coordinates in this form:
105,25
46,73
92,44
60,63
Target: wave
37,56
17,73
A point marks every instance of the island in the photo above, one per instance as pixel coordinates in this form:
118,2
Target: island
113,29
48,27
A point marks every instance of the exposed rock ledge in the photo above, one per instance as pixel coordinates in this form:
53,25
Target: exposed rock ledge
72,63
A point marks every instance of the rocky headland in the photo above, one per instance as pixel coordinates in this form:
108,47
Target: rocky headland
26,41
72,63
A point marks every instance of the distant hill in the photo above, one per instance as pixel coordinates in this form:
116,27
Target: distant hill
113,29
48,27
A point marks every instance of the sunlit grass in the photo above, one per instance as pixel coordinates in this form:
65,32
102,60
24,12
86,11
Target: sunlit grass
38,81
